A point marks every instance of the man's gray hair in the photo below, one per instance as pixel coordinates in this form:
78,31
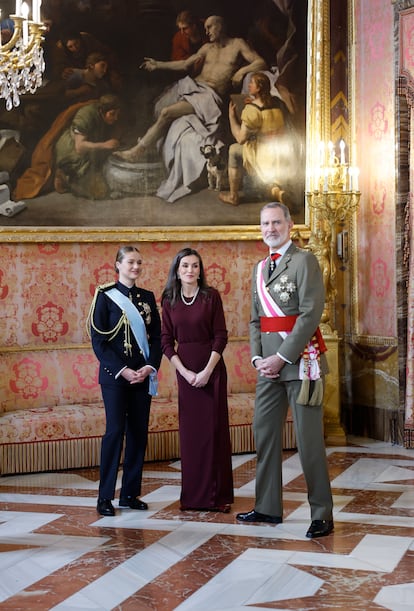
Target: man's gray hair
283,207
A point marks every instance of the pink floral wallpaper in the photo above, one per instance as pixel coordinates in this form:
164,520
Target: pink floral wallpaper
46,289
375,146
45,294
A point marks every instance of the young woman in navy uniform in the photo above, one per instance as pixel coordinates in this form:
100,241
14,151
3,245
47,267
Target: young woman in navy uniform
125,329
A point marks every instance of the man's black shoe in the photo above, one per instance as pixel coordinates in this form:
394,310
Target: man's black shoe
320,528
105,507
132,503
255,516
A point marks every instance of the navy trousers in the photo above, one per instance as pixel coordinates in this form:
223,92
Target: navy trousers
127,411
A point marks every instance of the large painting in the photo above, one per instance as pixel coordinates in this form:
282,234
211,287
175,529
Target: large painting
152,114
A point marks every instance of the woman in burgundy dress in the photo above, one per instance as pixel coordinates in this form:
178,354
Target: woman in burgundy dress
193,338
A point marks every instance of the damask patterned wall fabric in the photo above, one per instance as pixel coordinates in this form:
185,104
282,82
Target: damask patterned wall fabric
46,289
45,294
375,131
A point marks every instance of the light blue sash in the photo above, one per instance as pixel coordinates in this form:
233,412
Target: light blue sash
138,329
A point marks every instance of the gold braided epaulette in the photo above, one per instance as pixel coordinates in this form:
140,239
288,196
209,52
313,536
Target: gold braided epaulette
89,319
106,286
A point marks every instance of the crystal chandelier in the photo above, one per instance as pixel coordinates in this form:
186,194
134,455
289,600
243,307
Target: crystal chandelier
21,58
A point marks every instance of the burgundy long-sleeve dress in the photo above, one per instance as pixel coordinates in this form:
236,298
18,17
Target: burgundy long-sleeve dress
192,332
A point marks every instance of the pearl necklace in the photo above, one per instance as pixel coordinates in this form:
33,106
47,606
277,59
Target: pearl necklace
193,298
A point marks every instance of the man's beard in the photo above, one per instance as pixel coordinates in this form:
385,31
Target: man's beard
273,242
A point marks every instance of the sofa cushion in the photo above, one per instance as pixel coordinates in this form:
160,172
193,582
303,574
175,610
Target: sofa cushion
52,423
79,421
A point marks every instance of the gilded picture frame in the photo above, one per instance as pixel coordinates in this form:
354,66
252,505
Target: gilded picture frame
317,125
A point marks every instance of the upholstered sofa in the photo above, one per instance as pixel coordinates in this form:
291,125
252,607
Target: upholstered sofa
52,415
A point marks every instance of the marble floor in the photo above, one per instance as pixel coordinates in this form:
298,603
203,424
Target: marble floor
57,553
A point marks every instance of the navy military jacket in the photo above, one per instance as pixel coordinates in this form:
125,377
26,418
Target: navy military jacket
111,351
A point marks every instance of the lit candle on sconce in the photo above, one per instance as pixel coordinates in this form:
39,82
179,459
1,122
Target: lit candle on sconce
351,175
321,154
356,177
25,14
317,177
332,172
331,152
18,8
342,152
36,10
325,180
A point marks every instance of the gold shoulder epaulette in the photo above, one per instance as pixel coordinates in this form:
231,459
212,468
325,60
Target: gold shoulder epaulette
106,286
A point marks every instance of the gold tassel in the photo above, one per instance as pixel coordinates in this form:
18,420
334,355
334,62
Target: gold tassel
317,394
127,337
303,396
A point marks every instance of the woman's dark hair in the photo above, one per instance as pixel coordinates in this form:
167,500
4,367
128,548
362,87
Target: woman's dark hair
172,289
122,252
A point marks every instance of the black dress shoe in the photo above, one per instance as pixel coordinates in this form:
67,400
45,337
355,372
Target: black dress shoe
255,516
320,528
105,507
132,503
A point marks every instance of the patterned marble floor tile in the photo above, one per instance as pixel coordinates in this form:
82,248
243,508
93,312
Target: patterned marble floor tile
58,553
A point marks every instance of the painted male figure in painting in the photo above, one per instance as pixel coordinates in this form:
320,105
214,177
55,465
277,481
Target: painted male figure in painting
190,35
193,107
83,147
